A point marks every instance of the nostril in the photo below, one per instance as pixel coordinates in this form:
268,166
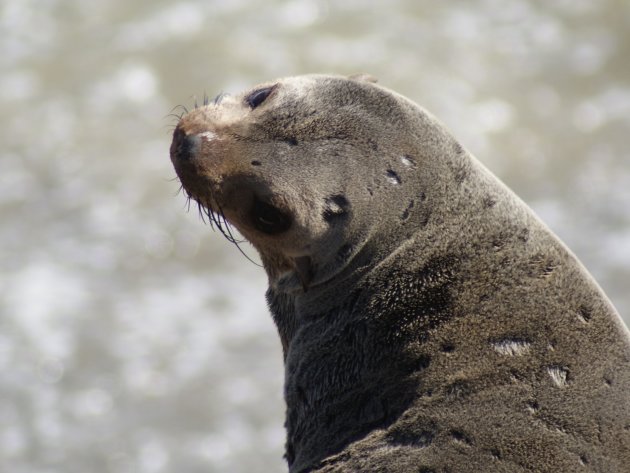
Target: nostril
184,146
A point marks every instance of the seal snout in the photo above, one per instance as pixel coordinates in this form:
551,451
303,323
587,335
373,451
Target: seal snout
184,146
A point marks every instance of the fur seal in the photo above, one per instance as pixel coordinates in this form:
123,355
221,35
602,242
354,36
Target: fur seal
430,322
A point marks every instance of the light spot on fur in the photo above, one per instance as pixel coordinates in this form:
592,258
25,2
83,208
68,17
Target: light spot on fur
393,177
558,375
336,206
511,347
208,135
407,161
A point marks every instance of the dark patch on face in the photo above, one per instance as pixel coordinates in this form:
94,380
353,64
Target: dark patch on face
423,197
255,162
291,141
336,207
268,218
523,235
407,211
373,144
393,177
448,347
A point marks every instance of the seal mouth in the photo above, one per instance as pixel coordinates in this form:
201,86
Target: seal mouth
184,152
239,196
268,218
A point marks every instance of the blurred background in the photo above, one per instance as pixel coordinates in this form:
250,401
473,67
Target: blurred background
135,339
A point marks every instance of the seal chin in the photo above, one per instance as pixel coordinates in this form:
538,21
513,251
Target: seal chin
308,273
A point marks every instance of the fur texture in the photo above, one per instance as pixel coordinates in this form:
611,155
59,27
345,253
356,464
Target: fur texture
430,322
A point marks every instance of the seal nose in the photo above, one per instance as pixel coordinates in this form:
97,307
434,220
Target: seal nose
184,146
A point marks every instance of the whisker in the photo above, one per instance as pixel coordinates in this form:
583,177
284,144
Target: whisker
227,233
219,98
217,221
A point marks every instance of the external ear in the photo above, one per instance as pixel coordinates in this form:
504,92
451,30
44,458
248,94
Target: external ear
363,77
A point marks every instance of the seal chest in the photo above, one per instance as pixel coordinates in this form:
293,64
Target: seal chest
430,322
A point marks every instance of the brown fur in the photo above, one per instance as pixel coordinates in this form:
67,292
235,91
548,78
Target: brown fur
430,322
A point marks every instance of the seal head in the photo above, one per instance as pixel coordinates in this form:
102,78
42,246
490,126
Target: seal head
283,170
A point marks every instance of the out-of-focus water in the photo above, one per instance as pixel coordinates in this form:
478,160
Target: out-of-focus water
133,338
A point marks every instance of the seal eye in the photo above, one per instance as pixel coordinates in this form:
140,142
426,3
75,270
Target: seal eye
258,96
269,219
